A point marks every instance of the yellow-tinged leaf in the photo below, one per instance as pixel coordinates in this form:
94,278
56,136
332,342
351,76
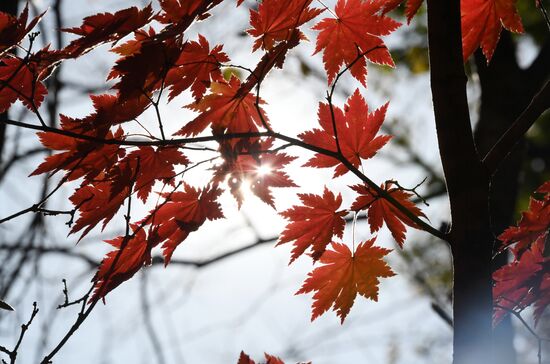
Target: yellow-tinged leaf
342,276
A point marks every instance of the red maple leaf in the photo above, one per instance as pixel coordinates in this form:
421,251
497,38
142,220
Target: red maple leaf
110,110
174,10
95,203
19,79
13,30
545,188
248,165
80,158
143,72
357,129
226,109
411,7
275,20
270,359
104,28
534,222
131,253
343,275
196,67
184,212
380,211
353,34
314,224
482,22
133,46
147,165
523,282
245,359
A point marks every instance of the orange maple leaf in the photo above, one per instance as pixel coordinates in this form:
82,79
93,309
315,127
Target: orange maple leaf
355,32
382,211
357,129
226,109
275,20
314,224
482,22
344,275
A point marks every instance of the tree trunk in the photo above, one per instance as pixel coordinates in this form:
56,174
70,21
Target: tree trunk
472,296
467,184
506,90
502,100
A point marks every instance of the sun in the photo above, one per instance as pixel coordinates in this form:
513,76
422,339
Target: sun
263,169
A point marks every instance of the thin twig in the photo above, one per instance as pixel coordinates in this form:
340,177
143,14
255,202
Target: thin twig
539,338
330,94
150,328
542,9
37,206
24,327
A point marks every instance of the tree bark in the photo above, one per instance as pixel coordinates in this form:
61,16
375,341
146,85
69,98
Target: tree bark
467,184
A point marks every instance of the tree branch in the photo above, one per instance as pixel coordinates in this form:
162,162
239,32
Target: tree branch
24,327
293,141
503,147
149,326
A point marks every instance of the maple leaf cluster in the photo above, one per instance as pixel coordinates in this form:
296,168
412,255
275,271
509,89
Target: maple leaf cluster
154,60
98,151
344,273
482,21
113,165
113,168
526,280
92,149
